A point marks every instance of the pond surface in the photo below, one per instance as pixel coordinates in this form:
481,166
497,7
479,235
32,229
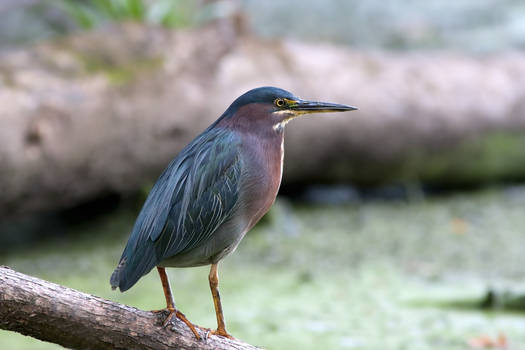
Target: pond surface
374,275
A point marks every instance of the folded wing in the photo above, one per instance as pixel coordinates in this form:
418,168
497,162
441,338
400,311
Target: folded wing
196,193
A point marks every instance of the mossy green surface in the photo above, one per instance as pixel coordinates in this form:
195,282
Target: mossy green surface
378,275
489,158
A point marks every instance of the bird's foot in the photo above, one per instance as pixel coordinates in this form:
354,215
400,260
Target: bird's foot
176,313
220,332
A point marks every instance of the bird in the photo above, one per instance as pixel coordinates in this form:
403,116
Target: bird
212,193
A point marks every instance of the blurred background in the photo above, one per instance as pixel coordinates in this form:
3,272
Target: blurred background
400,226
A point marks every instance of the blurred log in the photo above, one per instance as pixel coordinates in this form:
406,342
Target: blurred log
76,320
104,112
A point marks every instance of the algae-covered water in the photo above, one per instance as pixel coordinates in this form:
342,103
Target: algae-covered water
369,275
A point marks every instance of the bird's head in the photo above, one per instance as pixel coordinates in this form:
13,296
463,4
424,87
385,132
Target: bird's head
271,107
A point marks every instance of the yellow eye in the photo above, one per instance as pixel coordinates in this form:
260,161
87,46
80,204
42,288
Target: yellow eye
279,102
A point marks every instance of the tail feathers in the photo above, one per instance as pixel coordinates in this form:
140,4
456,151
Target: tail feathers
116,276
128,273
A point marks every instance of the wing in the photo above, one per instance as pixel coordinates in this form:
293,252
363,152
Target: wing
196,193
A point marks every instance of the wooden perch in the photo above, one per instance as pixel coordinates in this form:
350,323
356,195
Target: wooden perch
76,320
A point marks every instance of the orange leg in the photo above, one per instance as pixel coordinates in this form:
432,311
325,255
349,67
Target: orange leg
170,304
214,286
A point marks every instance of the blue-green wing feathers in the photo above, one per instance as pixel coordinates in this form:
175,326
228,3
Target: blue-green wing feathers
196,193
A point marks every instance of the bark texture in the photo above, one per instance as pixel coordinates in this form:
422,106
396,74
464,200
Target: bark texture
105,111
76,320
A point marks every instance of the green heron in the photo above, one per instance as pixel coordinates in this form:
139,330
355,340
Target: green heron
213,192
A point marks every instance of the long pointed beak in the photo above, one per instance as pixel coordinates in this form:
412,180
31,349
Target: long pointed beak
320,107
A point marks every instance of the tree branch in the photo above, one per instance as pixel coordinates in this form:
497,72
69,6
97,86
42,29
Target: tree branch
76,320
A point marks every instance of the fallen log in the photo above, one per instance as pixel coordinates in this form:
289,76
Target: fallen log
104,112
76,320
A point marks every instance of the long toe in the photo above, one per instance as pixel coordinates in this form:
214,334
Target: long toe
159,311
172,312
222,333
183,318
180,316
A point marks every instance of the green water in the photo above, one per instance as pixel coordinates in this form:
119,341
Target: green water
378,275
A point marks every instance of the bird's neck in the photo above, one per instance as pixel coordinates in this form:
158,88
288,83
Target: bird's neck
264,159
262,148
